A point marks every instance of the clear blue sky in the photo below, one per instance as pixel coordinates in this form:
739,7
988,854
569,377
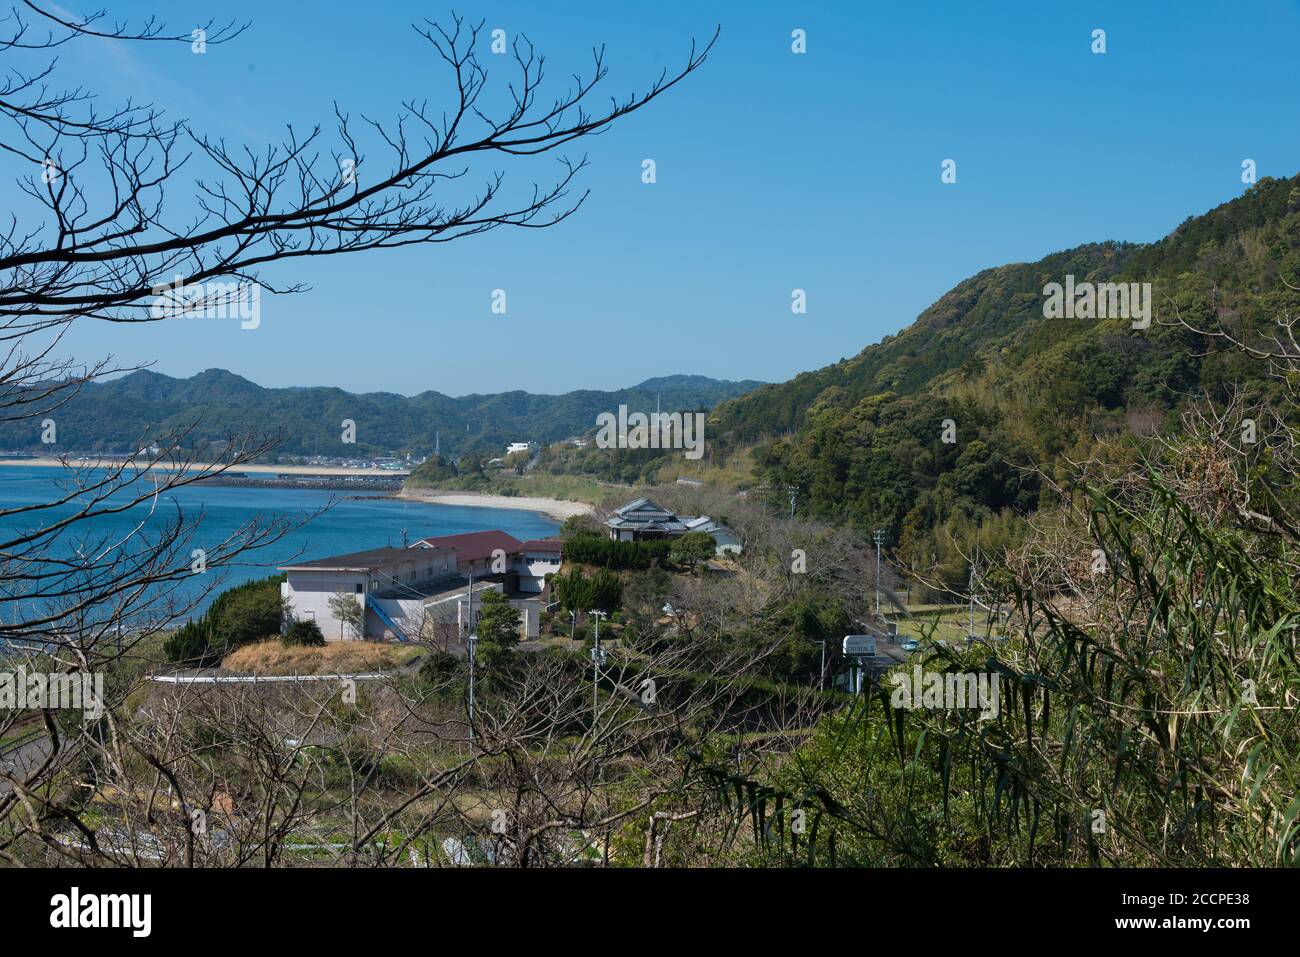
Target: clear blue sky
775,171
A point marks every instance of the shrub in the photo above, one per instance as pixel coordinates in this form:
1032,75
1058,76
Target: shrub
498,621
602,591
692,548
589,548
303,633
442,671
240,615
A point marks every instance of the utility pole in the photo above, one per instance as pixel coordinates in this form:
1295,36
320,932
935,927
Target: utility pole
470,642
821,683
880,539
970,589
794,494
595,616
470,639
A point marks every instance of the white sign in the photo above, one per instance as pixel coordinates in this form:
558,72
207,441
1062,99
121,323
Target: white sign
859,644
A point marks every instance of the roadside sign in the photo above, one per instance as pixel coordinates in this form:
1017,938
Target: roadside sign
859,644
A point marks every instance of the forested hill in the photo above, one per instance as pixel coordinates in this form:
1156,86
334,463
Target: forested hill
862,440
990,328
121,414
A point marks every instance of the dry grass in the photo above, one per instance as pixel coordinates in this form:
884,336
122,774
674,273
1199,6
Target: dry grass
343,657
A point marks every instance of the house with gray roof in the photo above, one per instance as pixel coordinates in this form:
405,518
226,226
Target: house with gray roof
646,520
643,520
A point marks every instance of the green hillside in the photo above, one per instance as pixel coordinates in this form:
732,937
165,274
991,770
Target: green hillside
124,414
862,441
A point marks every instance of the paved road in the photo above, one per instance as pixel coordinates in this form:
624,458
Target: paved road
20,760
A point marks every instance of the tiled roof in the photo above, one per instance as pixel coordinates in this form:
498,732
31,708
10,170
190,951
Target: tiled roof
471,546
356,561
644,507
645,515
646,525
542,545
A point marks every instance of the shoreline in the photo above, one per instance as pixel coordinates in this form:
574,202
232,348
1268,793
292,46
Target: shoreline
46,462
553,508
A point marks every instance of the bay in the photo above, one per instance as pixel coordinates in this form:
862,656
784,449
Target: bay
349,525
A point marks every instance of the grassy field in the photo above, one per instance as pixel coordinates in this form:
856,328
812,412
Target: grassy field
738,473
947,622
343,657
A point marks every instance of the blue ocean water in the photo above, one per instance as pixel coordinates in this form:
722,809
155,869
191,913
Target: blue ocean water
349,525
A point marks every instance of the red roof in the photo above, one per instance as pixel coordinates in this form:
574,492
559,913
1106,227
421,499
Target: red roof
542,545
471,546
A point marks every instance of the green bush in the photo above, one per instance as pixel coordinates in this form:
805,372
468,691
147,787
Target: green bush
248,612
603,591
692,548
498,620
444,674
303,633
589,548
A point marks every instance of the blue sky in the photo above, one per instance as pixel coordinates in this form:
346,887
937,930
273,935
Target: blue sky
819,171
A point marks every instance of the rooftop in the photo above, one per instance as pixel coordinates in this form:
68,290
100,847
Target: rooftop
645,515
471,546
542,545
357,561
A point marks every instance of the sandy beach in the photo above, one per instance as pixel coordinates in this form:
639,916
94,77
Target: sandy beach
550,507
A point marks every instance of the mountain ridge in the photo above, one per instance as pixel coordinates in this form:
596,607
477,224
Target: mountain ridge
865,441
119,415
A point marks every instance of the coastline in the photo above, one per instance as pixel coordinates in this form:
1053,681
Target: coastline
109,462
554,508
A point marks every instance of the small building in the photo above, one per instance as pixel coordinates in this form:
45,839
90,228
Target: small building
726,541
514,447
403,593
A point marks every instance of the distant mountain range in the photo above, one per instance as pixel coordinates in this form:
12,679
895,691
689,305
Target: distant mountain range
128,413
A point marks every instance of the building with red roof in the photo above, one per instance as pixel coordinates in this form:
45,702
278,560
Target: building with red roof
522,565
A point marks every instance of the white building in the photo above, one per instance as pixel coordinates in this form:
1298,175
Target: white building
405,591
522,566
724,539
369,576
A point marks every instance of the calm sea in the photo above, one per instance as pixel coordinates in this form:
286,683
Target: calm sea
350,525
